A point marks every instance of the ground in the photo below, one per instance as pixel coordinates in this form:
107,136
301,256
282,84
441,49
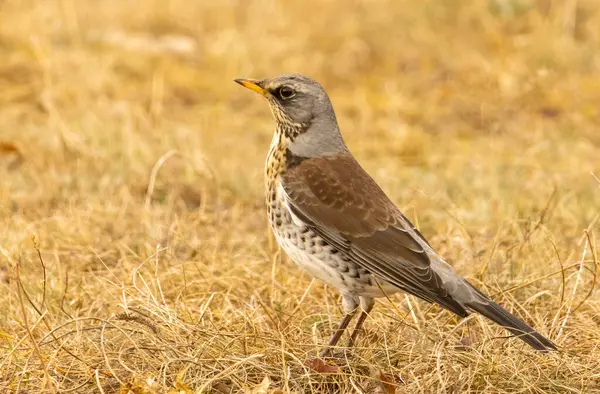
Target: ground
134,249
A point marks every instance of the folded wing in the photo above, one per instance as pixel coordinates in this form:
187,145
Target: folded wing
337,199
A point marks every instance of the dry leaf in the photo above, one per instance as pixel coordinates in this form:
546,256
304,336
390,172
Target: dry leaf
263,387
180,386
139,385
321,366
7,148
386,382
10,154
4,277
221,387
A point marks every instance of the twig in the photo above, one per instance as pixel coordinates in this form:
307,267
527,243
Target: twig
412,311
577,280
356,386
418,328
97,379
300,302
562,272
563,284
595,177
37,249
522,285
64,296
593,287
159,163
226,371
29,333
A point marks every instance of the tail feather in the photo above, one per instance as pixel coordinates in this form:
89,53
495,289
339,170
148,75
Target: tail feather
501,316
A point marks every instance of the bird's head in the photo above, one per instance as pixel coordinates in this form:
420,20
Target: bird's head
303,113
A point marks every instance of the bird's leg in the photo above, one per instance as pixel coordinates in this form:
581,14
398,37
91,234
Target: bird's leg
337,334
357,328
366,305
350,304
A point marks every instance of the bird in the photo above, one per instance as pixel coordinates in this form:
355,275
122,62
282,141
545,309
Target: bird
333,220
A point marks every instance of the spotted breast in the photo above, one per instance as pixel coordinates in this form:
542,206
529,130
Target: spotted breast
306,248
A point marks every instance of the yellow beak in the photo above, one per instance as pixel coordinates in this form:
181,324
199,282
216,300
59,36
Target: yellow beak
253,85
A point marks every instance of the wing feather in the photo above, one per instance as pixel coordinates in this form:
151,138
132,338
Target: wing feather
343,204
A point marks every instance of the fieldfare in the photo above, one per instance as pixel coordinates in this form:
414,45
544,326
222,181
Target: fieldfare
334,221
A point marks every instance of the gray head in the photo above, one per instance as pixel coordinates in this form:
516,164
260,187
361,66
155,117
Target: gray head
303,113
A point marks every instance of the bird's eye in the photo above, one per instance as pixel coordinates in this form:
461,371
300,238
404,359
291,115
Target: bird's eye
285,92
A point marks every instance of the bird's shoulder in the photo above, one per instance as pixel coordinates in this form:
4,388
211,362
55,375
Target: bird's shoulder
340,183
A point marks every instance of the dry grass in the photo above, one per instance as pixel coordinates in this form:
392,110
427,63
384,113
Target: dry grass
134,251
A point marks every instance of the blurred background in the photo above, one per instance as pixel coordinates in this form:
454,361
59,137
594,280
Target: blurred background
125,146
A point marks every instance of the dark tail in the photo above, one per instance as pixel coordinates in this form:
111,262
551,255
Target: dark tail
501,316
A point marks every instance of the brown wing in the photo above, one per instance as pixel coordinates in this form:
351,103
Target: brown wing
342,203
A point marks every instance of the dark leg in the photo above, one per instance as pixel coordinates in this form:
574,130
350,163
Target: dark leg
357,328
366,305
337,334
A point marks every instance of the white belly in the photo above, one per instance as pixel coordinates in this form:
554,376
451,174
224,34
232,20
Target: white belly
316,264
309,251
331,269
